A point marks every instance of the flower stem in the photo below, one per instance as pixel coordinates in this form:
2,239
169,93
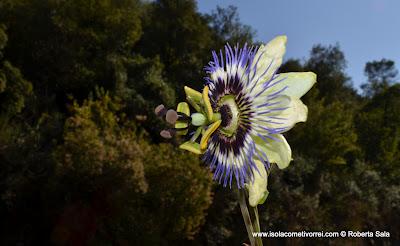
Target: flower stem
252,222
256,225
246,216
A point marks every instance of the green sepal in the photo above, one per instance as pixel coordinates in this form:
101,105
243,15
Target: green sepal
264,198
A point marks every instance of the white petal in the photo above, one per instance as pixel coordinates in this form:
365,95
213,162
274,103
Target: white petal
297,112
258,188
268,59
297,84
278,151
276,47
273,117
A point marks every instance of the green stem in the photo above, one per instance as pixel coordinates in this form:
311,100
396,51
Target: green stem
251,219
246,216
256,225
196,134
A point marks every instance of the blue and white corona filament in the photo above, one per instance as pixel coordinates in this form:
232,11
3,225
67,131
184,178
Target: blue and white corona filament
246,106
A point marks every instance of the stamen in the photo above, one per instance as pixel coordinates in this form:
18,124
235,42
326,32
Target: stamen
207,103
206,136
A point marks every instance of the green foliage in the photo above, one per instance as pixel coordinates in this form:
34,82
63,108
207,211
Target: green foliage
380,75
95,146
173,208
3,39
103,183
71,41
101,156
291,65
140,84
14,89
26,165
179,195
329,64
330,126
181,37
227,26
379,131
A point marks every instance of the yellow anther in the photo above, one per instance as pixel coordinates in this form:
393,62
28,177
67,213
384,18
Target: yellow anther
192,147
207,134
182,107
207,104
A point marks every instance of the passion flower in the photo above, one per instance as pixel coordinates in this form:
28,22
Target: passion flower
241,114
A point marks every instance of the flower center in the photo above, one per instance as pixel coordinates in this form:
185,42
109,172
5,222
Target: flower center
229,111
226,115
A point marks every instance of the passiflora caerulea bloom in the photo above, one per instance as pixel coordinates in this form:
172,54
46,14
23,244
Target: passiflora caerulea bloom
241,114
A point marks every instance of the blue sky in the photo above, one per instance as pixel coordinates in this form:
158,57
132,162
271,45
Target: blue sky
366,30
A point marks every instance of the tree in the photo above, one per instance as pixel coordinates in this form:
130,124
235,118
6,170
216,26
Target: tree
381,75
96,144
379,132
227,26
112,175
68,45
14,88
181,38
180,193
328,62
331,128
